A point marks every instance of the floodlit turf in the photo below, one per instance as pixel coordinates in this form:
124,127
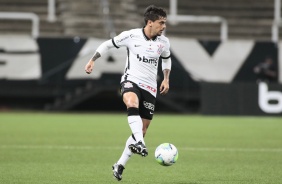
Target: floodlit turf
45,148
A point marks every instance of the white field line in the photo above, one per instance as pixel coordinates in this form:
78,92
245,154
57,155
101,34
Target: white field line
278,150
54,147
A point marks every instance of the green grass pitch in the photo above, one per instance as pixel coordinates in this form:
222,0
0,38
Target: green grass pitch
54,148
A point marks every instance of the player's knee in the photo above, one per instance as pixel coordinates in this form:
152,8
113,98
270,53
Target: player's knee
131,104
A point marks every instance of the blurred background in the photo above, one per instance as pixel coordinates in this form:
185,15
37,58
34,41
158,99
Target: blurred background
225,54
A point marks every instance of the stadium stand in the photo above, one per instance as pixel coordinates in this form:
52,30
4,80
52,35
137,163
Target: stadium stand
38,7
83,18
247,19
90,18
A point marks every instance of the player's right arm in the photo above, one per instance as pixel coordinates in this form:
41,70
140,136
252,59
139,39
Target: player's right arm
102,49
118,41
90,65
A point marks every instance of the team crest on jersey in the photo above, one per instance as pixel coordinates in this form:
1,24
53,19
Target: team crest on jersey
160,49
128,85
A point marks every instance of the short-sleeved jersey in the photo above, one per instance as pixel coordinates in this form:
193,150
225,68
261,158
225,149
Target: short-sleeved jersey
142,57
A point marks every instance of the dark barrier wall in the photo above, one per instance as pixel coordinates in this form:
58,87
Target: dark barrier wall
241,99
210,77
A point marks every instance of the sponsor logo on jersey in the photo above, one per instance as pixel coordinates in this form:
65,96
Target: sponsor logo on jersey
128,85
149,50
153,61
149,105
134,36
150,88
122,39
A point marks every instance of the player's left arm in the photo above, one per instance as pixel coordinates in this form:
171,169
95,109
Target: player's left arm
166,68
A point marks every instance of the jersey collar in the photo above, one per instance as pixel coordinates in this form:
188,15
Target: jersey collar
146,38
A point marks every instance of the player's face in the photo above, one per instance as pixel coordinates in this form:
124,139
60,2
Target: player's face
159,26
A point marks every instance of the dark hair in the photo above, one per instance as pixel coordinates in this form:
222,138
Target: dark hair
154,13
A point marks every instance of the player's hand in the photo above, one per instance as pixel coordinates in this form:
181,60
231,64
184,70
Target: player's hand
164,87
89,67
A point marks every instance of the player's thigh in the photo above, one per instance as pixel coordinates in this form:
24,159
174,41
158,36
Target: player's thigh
130,99
130,94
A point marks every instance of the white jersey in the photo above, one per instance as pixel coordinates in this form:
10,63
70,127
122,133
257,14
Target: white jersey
142,57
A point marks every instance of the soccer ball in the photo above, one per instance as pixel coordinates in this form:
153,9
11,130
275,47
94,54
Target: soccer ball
166,154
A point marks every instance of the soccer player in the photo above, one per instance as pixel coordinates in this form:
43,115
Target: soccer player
139,82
